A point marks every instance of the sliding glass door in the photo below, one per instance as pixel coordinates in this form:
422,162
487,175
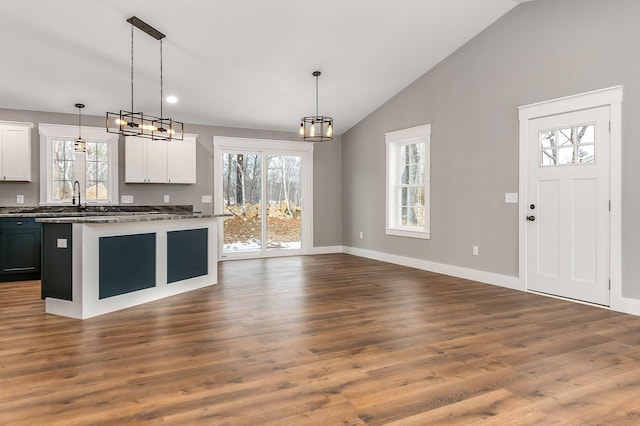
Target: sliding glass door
263,190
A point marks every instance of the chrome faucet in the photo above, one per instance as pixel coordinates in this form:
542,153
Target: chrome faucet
73,199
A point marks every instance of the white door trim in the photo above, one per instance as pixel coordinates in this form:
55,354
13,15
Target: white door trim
611,97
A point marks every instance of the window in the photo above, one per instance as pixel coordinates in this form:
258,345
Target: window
574,145
60,166
408,195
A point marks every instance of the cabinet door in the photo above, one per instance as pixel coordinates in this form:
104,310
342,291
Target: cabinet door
19,251
181,161
134,160
16,153
156,161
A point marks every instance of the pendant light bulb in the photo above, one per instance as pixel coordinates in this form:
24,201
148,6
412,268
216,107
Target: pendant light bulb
330,130
302,129
312,131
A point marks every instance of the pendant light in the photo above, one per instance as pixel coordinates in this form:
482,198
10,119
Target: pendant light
130,123
316,128
80,145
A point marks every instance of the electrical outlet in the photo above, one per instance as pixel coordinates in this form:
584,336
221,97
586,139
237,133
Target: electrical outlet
20,199
126,199
361,235
206,198
166,198
475,250
61,243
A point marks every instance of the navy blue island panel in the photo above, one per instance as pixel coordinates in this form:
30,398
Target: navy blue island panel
127,263
187,254
57,262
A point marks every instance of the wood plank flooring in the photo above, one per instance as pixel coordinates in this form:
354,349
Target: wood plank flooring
321,340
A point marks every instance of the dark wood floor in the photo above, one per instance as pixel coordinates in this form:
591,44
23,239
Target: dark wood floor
322,340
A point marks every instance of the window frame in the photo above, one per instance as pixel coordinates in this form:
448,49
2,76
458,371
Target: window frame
51,132
394,142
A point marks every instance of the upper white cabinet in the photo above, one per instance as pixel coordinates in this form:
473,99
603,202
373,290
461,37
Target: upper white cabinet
15,151
155,161
181,161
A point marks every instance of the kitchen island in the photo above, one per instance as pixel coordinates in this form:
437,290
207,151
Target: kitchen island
92,265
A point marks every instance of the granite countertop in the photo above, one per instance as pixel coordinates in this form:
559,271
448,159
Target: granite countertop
124,218
72,211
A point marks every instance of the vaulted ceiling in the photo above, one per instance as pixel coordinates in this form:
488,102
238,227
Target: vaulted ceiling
238,63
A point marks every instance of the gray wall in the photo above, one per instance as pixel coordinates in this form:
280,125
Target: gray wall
540,50
327,204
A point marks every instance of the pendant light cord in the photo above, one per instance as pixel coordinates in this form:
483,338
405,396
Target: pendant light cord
161,116
317,95
79,123
131,67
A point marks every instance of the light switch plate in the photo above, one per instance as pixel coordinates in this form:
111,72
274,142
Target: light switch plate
511,198
126,199
206,198
20,199
61,243
166,198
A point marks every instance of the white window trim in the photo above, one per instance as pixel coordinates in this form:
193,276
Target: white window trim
394,140
48,132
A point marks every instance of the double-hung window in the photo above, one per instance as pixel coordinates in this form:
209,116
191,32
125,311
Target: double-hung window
60,166
408,197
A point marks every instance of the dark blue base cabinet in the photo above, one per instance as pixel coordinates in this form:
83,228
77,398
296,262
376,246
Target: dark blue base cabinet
107,267
19,249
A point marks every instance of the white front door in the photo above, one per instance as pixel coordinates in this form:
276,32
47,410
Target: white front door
568,205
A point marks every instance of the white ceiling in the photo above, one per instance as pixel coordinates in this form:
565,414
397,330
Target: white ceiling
239,63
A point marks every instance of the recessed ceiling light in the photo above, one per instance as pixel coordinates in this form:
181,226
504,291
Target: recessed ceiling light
172,99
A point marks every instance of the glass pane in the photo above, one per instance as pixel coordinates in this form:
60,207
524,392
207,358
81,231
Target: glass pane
586,154
69,153
102,152
91,171
91,151
242,188
412,201
548,157
284,211
61,190
58,150
97,192
566,156
547,139
586,134
58,170
103,171
404,177
565,137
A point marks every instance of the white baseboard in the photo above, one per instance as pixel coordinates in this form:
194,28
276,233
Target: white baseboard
625,305
326,250
440,268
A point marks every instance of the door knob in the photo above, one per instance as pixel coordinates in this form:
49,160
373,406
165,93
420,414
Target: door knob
531,218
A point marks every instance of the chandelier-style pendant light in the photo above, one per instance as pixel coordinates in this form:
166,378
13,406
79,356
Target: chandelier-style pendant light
316,128
130,123
80,145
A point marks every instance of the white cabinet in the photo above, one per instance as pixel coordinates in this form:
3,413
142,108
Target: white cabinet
15,151
156,161
145,160
181,160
